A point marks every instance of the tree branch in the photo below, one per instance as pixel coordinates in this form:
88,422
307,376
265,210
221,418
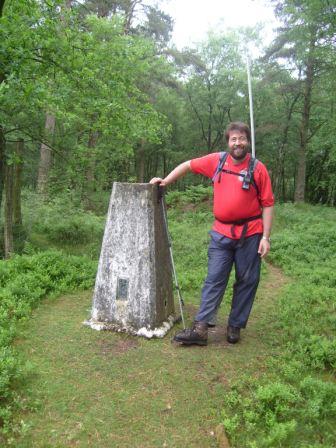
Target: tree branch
198,116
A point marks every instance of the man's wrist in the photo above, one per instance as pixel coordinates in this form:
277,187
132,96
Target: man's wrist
267,238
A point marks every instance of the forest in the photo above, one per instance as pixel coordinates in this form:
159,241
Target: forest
95,92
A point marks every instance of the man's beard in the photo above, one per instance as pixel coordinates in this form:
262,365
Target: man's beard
242,155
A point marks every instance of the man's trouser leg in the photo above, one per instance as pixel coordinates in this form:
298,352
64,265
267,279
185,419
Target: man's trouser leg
220,261
247,266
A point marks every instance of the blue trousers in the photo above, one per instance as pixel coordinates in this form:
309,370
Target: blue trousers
223,252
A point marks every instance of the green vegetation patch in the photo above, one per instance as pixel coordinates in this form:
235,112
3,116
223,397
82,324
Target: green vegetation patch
24,282
297,406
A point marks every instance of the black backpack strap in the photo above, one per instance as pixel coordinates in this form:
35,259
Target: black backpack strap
248,178
221,162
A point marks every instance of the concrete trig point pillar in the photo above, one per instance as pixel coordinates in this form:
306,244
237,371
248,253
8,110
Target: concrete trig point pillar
133,291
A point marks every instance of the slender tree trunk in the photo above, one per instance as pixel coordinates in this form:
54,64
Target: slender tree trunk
8,229
129,14
90,169
210,129
299,195
2,163
17,214
2,4
45,156
141,162
2,135
280,168
90,172
164,160
209,136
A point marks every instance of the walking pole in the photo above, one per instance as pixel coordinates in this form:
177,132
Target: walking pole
251,104
165,219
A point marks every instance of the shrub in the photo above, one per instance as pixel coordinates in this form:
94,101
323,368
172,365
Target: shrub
24,282
297,408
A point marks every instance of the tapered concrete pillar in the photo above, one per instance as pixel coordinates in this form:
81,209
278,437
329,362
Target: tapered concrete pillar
133,290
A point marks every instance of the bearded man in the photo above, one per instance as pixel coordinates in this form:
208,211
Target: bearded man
240,235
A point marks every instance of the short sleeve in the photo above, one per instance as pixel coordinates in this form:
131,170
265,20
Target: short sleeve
205,165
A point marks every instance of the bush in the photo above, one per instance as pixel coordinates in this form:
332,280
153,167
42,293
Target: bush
194,194
24,282
296,397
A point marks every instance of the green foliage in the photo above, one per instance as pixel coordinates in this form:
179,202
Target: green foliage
88,74
274,412
296,407
62,223
24,282
305,249
72,230
193,194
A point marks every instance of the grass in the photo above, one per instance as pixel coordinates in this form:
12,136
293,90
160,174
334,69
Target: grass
88,388
110,390
274,389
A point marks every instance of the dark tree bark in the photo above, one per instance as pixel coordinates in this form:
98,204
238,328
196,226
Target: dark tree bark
141,162
90,172
17,214
45,156
279,180
2,4
8,228
2,163
129,9
90,169
299,195
2,135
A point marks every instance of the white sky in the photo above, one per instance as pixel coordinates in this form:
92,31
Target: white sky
193,18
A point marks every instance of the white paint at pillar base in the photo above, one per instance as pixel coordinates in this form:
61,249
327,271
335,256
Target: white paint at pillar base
148,333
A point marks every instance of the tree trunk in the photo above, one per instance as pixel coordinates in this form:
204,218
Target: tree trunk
129,14
45,156
279,181
2,135
2,4
17,215
90,170
141,162
2,164
8,230
299,195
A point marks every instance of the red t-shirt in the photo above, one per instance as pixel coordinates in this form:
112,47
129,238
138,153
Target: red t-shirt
231,202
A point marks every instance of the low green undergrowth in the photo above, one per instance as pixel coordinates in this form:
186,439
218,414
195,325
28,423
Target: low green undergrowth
293,403
192,195
297,405
61,221
24,282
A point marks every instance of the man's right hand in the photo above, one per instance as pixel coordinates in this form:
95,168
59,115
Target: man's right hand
158,180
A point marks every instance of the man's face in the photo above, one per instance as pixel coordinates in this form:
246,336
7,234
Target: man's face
238,145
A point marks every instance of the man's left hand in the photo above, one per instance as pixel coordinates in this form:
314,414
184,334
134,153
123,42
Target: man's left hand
264,248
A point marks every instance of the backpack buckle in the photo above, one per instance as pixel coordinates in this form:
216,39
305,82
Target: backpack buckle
246,181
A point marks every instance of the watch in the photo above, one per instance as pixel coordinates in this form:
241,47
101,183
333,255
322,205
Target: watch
266,238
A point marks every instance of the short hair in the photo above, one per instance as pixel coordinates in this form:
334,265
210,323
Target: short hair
238,126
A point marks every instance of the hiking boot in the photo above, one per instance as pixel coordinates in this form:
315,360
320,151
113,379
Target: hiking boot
197,334
233,334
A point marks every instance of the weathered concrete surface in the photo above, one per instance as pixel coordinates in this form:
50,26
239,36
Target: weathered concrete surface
133,290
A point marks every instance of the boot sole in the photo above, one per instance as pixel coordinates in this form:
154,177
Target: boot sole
191,343
232,341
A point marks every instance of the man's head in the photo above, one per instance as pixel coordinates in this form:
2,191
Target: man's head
238,138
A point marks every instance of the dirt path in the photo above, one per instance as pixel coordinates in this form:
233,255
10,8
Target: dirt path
103,389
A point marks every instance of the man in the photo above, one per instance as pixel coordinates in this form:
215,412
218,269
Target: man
240,235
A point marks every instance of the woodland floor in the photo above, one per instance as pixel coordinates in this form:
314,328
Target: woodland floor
102,389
